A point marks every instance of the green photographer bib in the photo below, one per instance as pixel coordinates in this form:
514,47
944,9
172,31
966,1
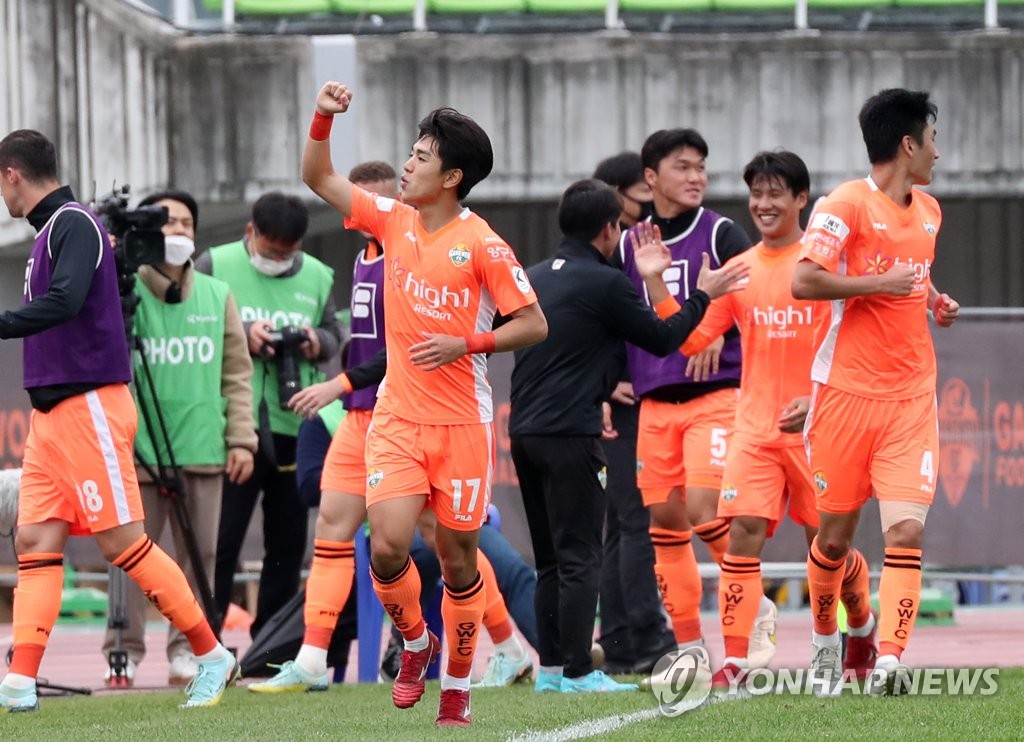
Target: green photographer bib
297,300
184,348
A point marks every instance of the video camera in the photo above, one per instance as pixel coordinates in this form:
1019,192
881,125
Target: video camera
286,343
140,240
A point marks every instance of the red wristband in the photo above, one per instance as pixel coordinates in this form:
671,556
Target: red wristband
482,342
345,383
320,128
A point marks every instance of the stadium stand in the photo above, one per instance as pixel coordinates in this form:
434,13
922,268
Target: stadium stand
518,16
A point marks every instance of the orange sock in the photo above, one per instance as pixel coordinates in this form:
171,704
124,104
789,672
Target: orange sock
400,596
496,619
327,589
462,612
715,535
825,581
675,568
163,582
739,599
899,597
36,607
856,590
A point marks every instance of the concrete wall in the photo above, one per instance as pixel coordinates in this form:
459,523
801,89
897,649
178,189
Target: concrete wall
87,74
555,105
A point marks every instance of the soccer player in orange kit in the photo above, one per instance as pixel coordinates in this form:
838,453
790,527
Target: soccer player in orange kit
447,274
766,468
872,427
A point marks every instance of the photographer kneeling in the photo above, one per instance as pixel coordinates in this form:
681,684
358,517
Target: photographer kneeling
284,297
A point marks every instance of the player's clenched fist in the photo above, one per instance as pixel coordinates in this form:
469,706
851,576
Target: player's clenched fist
897,281
334,97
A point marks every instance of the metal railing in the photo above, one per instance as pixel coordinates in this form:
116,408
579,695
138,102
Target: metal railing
184,14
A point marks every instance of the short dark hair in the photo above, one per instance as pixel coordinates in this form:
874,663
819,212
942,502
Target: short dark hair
664,142
892,114
183,197
374,171
781,165
586,207
620,171
461,145
30,153
280,218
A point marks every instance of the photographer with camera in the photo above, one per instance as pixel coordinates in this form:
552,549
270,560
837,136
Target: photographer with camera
284,297
78,475
199,380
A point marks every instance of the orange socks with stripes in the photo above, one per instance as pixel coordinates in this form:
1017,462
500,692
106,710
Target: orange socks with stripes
825,581
400,596
462,611
739,600
163,582
899,597
327,590
715,535
36,606
856,590
675,568
496,619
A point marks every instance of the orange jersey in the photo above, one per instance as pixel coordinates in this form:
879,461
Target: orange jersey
447,282
879,345
777,336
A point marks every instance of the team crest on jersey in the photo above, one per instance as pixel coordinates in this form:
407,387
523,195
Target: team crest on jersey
374,477
728,492
602,477
819,481
459,255
930,228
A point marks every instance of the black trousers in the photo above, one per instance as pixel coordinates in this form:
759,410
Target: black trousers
285,530
632,624
563,494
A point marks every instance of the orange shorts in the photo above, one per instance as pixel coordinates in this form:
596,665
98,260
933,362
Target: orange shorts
345,464
451,464
860,446
765,482
79,463
683,445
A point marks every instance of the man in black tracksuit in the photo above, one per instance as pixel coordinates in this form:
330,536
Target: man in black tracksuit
558,390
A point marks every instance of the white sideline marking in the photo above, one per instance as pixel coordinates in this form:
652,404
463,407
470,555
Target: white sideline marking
585,729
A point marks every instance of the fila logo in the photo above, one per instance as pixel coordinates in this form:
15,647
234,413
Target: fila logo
411,237
879,226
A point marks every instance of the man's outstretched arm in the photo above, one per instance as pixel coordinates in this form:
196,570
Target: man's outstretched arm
317,169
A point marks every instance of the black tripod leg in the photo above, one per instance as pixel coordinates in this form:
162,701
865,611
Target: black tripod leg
118,621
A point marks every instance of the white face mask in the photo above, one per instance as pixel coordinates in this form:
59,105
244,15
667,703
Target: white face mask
178,249
269,267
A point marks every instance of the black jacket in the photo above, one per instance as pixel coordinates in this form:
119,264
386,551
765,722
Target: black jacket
591,307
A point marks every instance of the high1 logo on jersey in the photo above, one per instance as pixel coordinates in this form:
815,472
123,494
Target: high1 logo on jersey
780,323
922,270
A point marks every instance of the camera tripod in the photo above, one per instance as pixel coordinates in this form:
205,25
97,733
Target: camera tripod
168,479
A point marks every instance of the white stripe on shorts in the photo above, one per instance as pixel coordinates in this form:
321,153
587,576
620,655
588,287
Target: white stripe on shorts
113,466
